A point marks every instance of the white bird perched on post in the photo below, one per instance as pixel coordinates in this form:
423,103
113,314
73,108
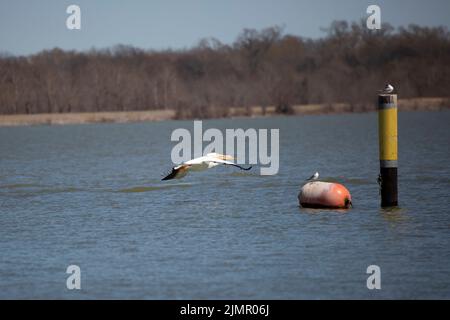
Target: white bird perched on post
211,160
315,176
388,88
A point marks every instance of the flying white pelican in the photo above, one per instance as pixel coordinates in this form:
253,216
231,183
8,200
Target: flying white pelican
315,176
388,88
202,163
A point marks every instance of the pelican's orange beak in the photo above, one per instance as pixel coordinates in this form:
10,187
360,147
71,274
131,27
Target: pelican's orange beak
227,157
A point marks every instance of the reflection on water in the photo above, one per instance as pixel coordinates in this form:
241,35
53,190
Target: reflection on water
28,189
91,195
156,188
322,211
394,214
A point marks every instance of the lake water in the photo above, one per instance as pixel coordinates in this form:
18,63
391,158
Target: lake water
91,195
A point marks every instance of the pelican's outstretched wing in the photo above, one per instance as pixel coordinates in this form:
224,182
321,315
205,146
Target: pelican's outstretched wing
202,163
177,172
229,163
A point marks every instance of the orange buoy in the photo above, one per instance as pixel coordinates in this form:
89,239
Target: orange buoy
318,194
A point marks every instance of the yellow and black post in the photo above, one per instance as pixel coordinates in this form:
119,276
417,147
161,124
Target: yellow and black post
387,134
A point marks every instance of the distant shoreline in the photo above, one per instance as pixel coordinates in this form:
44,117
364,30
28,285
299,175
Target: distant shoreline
414,104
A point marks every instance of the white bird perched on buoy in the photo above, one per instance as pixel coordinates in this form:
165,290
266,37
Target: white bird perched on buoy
211,160
315,176
388,88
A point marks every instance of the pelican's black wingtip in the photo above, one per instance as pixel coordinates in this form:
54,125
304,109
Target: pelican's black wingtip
169,175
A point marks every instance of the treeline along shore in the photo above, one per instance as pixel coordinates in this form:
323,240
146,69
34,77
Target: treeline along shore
415,104
263,72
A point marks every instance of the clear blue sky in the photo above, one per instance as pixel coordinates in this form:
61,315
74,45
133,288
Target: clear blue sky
31,26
